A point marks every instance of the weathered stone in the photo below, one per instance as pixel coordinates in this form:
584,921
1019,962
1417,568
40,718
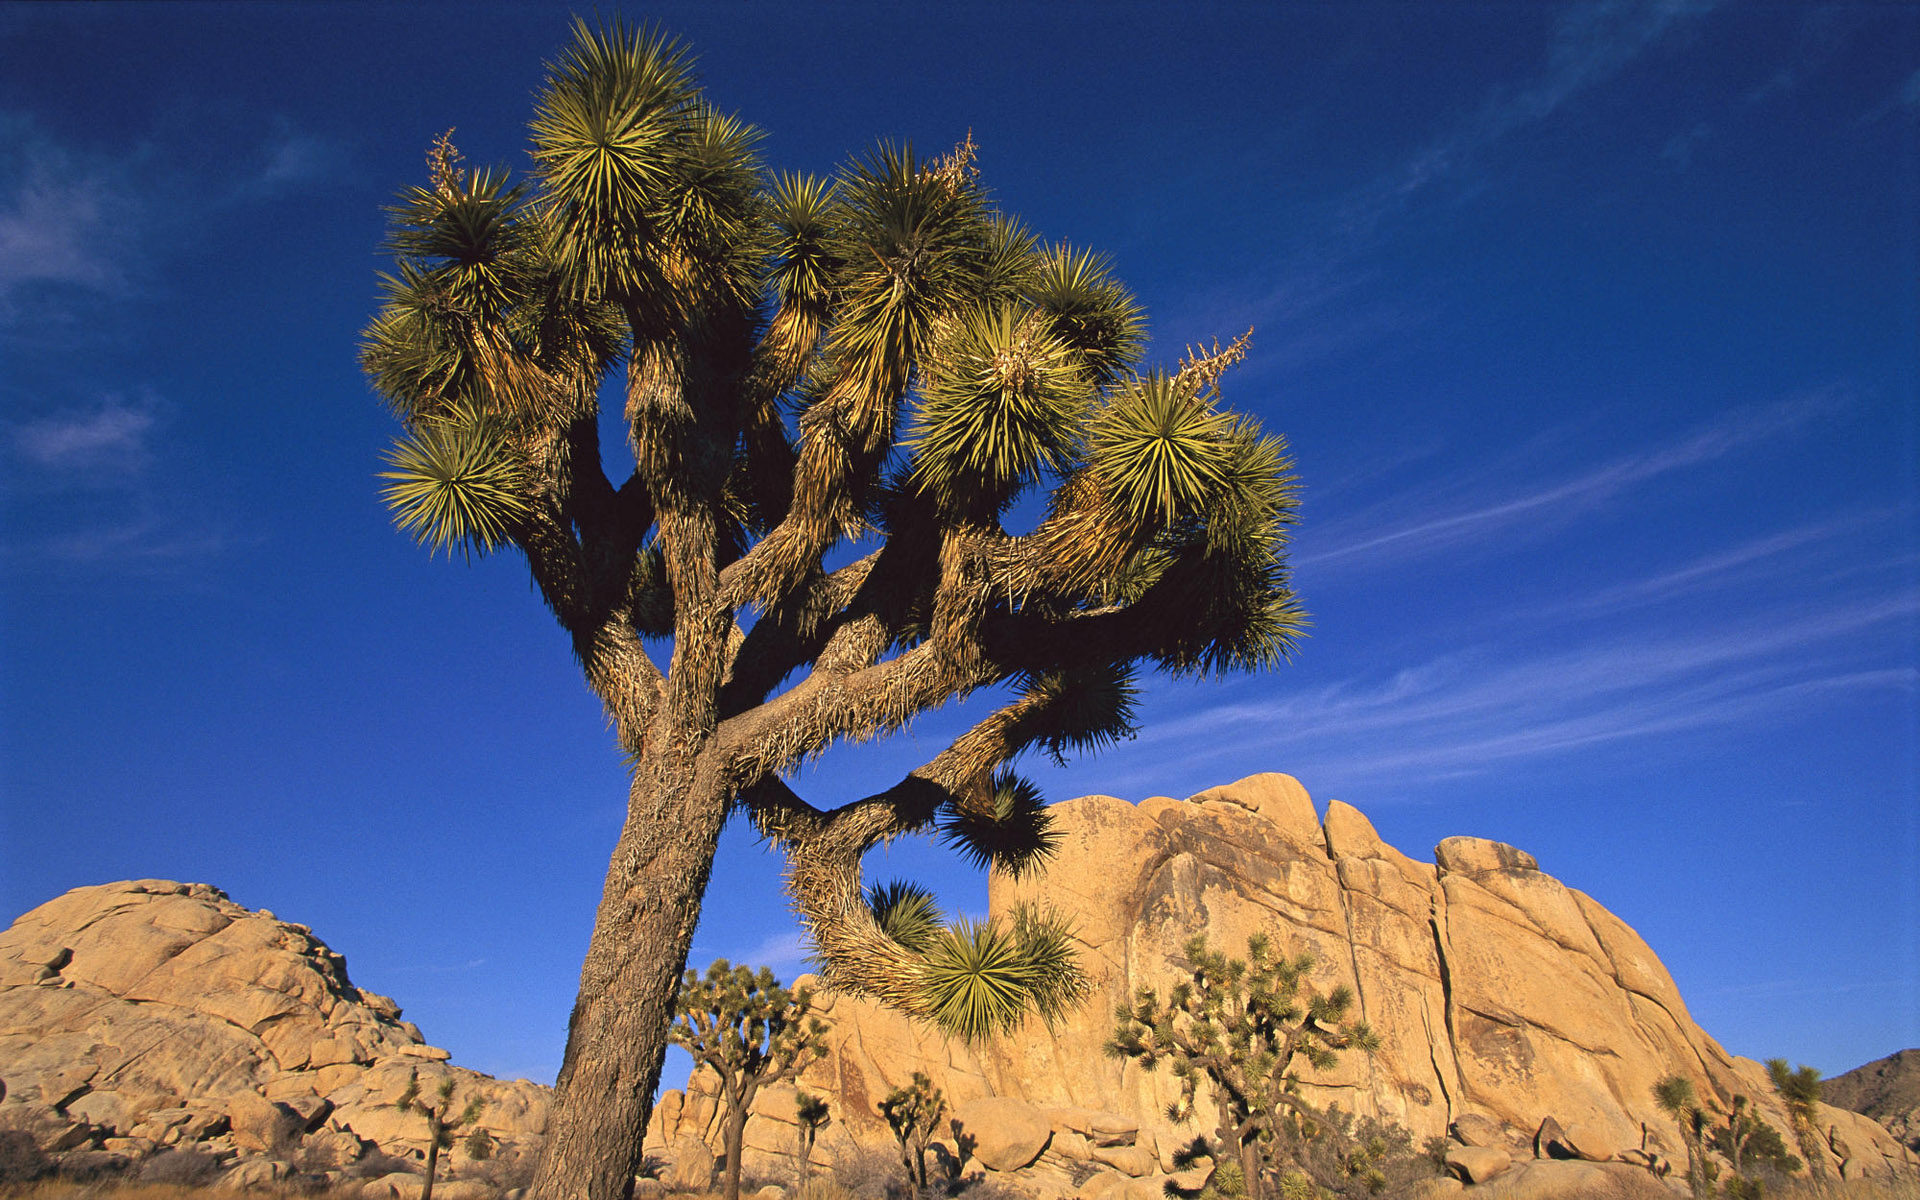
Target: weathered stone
400,1185
1478,1129
1498,991
1477,1164
693,1166
259,1124
132,1147
1070,1146
1004,1134
176,1004
254,1174
1101,1185
1590,1141
1474,855
1128,1160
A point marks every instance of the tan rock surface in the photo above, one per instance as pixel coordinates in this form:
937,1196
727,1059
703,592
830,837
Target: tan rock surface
1499,992
164,1011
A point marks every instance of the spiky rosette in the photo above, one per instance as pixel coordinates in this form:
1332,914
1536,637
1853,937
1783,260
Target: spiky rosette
905,912
1013,834
1090,311
457,481
1002,402
1089,708
914,242
1161,452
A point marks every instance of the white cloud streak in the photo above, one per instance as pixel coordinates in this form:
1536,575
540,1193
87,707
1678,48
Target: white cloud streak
1456,713
110,436
1379,539
65,221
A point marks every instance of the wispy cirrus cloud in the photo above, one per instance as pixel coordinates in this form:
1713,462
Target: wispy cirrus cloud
785,953
67,219
1328,301
1386,534
1591,44
88,490
82,225
1458,712
111,437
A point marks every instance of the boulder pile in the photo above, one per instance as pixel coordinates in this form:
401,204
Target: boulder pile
151,1018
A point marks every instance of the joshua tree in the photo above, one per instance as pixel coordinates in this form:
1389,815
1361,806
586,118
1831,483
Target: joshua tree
810,1117
888,450
1675,1096
913,1113
1243,1026
1799,1090
750,1032
441,1127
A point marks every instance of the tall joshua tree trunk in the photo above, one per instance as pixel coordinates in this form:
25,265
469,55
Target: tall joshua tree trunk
617,1037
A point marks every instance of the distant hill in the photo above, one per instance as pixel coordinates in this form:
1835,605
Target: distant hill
1887,1089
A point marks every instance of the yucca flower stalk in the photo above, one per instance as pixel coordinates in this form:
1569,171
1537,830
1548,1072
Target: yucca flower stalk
834,391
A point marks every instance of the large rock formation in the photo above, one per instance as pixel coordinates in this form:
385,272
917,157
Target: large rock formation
1503,997
149,1015
147,1018
1886,1089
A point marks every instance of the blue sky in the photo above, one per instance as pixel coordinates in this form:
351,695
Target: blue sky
1592,327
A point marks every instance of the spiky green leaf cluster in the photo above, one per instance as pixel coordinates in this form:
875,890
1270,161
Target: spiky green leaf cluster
1014,834
981,978
1002,405
457,482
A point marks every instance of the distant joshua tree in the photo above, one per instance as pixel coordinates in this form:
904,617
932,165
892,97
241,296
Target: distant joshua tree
1799,1090
913,1113
751,1032
1243,1026
810,1115
1675,1096
441,1127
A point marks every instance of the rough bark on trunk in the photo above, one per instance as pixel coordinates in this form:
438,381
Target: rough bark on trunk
433,1160
617,1036
736,1145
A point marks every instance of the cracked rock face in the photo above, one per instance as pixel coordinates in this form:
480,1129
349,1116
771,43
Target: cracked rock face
1502,996
149,1014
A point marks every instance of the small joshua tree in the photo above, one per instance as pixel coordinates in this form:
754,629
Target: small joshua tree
441,1127
810,1115
1243,1026
1675,1096
751,1032
1799,1090
913,1113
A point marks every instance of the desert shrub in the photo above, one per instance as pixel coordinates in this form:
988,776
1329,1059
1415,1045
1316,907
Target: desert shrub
821,1188
21,1161
507,1167
184,1166
377,1162
868,1173
1363,1157
978,1186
